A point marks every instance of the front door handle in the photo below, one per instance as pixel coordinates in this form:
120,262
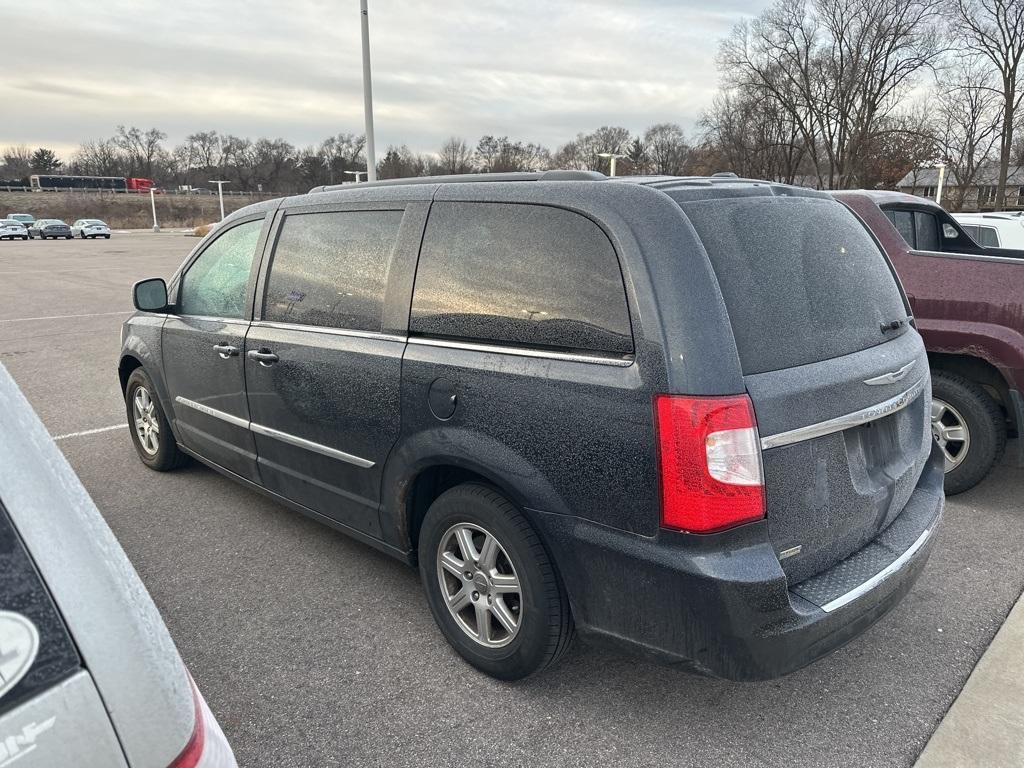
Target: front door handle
226,350
263,356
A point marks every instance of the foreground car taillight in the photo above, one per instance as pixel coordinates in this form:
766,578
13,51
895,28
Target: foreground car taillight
710,460
208,747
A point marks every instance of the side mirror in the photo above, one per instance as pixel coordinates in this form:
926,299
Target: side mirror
150,295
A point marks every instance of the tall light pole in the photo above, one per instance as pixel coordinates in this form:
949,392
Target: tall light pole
371,160
152,202
942,177
220,193
356,174
613,157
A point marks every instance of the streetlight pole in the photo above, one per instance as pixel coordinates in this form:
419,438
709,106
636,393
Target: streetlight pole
220,193
152,203
356,174
613,157
371,161
942,177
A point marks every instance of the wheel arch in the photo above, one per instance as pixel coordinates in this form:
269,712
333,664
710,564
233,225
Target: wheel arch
984,373
424,467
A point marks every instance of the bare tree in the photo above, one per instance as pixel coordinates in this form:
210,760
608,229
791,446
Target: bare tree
17,162
499,154
98,158
970,118
584,152
837,67
455,156
994,31
143,149
667,149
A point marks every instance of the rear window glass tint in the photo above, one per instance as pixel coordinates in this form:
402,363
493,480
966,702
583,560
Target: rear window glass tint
802,280
528,275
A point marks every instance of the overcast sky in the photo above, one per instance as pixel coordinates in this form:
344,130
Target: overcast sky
537,71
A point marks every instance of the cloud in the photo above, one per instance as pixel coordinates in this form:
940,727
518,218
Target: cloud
533,70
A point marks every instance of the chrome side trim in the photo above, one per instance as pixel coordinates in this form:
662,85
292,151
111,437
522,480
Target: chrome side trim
237,421
496,349
328,331
863,416
284,437
309,445
879,577
970,256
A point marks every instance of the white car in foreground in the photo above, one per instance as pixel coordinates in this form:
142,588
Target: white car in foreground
84,228
89,675
10,229
994,230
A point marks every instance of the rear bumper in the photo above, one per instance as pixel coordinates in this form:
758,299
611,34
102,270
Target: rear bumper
720,604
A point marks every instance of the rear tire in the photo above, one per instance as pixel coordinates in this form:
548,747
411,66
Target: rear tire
534,602
82,235
960,402
67,237
106,237
151,434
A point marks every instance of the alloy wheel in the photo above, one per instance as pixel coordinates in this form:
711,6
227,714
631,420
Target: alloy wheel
479,585
951,433
147,426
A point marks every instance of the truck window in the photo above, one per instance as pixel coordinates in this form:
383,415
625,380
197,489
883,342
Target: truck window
926,231
529,275
904,223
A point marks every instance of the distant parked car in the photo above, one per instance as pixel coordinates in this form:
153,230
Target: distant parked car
25,218
11,229
89,675
46,228
90,228
200,191
994,230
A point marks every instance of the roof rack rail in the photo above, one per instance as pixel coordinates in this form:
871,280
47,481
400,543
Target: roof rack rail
465,178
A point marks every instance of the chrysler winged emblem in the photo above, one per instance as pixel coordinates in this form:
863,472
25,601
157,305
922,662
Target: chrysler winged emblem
892,376
19,644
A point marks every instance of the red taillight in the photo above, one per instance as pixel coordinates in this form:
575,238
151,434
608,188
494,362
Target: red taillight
710,460
193,751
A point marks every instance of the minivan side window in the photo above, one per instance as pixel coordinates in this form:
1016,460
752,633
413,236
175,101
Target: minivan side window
215,284
528,275
330,269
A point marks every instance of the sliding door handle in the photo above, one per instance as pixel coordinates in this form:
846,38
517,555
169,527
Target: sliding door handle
263,356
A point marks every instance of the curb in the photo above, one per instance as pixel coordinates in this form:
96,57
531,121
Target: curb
985,725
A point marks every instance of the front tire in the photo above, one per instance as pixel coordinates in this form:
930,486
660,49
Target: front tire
493,590
151,434
969,427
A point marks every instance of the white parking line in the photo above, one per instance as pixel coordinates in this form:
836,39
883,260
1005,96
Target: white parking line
91,431
64,317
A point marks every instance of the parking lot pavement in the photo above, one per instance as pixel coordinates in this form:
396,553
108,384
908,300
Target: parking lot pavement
314,650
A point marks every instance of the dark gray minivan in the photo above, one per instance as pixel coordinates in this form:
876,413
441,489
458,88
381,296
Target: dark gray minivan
689,416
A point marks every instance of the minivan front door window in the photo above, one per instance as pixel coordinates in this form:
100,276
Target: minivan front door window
215,284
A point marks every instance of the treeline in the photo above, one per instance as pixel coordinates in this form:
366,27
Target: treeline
827,93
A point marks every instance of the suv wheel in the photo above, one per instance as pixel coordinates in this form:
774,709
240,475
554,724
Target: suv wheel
150,432
969,427
490,584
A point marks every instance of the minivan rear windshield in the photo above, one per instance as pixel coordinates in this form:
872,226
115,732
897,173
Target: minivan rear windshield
802,279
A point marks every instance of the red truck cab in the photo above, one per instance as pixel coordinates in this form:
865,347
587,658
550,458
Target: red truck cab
969,310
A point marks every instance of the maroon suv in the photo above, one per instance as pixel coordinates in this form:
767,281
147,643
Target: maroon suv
968,310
